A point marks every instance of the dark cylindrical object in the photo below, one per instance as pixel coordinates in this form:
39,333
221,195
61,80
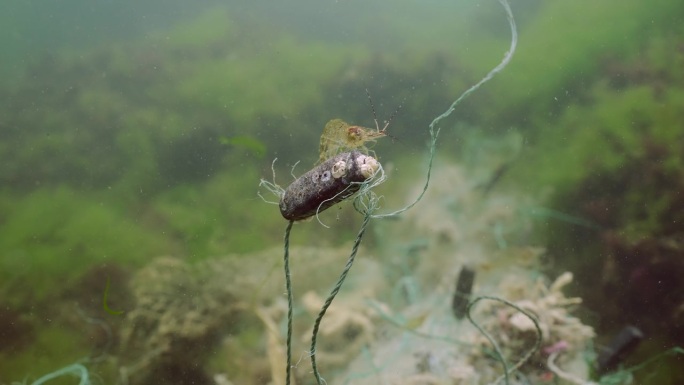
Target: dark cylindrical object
620,347
464,286
328,183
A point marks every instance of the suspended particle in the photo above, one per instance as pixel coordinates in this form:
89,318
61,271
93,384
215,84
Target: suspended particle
328,183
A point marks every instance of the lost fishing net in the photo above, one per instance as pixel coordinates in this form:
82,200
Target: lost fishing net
351,175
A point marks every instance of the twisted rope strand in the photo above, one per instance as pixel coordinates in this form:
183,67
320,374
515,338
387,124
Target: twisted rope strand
288,287
333,293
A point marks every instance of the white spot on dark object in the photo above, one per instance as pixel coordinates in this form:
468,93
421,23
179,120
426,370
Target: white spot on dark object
325,176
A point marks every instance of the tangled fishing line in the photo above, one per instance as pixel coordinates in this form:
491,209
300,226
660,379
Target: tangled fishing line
353,175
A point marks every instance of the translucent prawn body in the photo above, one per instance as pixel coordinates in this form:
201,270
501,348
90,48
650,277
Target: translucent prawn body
338,136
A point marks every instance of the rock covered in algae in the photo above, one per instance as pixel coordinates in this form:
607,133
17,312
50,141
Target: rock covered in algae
174,324
187,317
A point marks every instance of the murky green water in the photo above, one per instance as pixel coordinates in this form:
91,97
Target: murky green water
135,248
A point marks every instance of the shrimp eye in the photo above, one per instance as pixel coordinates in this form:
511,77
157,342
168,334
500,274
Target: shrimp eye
354,132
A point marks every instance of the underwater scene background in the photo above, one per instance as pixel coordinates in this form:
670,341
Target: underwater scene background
136,248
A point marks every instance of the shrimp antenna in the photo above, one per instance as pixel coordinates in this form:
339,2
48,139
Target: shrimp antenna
375,116
387,123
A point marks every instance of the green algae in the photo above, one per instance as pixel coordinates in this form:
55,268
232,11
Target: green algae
53,234
118,122
54,346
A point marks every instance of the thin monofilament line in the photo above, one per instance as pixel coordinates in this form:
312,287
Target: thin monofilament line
365,190
335,290
499,354
372,206
434,130
318,209
272,187
288,288
77,370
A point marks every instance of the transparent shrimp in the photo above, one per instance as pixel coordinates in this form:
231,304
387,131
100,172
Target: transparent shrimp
338,136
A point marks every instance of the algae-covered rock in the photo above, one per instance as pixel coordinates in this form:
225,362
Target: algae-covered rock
174,326
186,317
